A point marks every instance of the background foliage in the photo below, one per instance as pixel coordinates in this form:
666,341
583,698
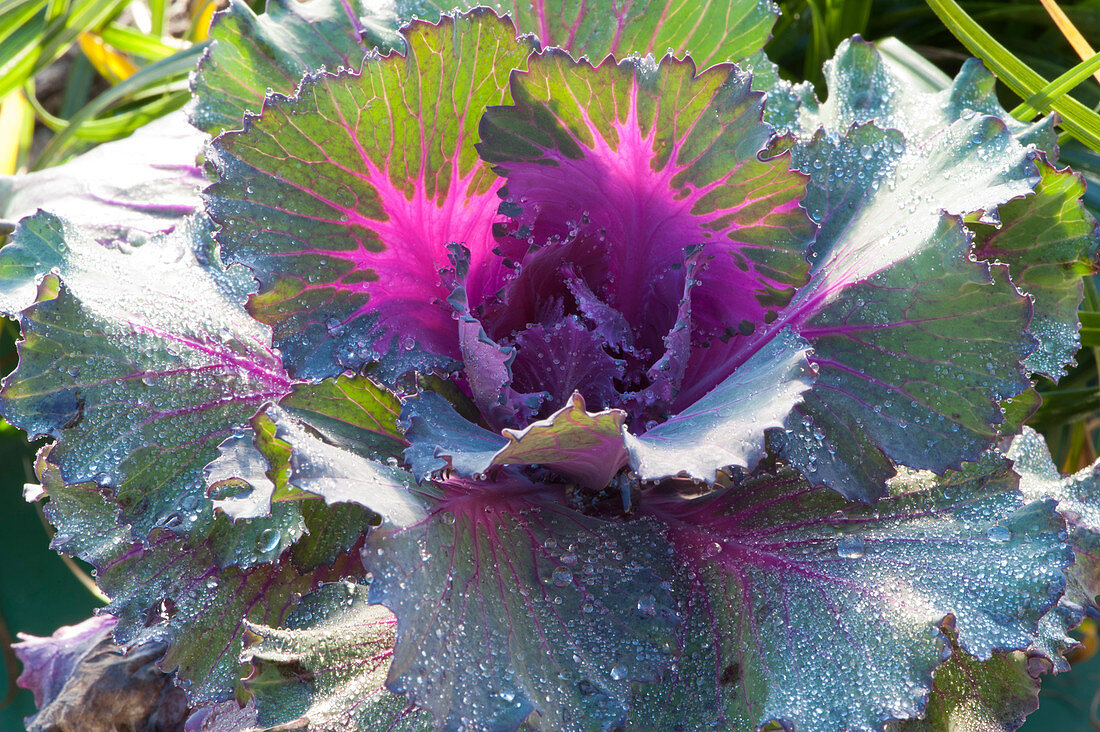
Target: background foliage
74,73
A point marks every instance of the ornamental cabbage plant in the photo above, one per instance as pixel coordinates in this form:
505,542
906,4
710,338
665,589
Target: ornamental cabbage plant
514,371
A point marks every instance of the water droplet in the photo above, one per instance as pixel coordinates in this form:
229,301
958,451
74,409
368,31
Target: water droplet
998,534
267,540
647,605
851,547
561,576
619,672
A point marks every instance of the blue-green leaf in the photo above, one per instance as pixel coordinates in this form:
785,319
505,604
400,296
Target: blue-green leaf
819,613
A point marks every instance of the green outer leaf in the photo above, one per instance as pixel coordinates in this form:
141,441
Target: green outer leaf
1039,478
1049,241
239,481
906,63
826,614
711,31
340,476
440,437
895,300
227,716
350,411
166,591
864,86
1047,235
328,665
254,55
1078,498
141,365
333,531
508,603
977,696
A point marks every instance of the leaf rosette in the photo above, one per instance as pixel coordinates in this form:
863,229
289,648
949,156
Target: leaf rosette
632,391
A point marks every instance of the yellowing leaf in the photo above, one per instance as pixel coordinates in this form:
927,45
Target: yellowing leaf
201,16
111,65
14,113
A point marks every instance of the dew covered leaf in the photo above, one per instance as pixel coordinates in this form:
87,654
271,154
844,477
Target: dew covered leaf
913,362
865,87
140,366
163,590
344,476
509,603
1039,478
895,301
726,427
440,437
586,446
711,32
250,473
154,183
1078,500
327,665
1049,241
351,412
978,696
227,716
254,54
345,220
826,614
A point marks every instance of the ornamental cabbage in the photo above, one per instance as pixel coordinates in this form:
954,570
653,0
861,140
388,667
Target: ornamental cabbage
512,371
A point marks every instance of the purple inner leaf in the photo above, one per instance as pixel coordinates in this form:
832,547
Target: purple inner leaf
609,183
564,358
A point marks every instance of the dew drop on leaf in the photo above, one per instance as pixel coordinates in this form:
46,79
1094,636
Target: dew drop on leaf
851,547
561,576
267,540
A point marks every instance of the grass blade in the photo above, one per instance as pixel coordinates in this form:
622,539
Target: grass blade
1078,119
179,63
